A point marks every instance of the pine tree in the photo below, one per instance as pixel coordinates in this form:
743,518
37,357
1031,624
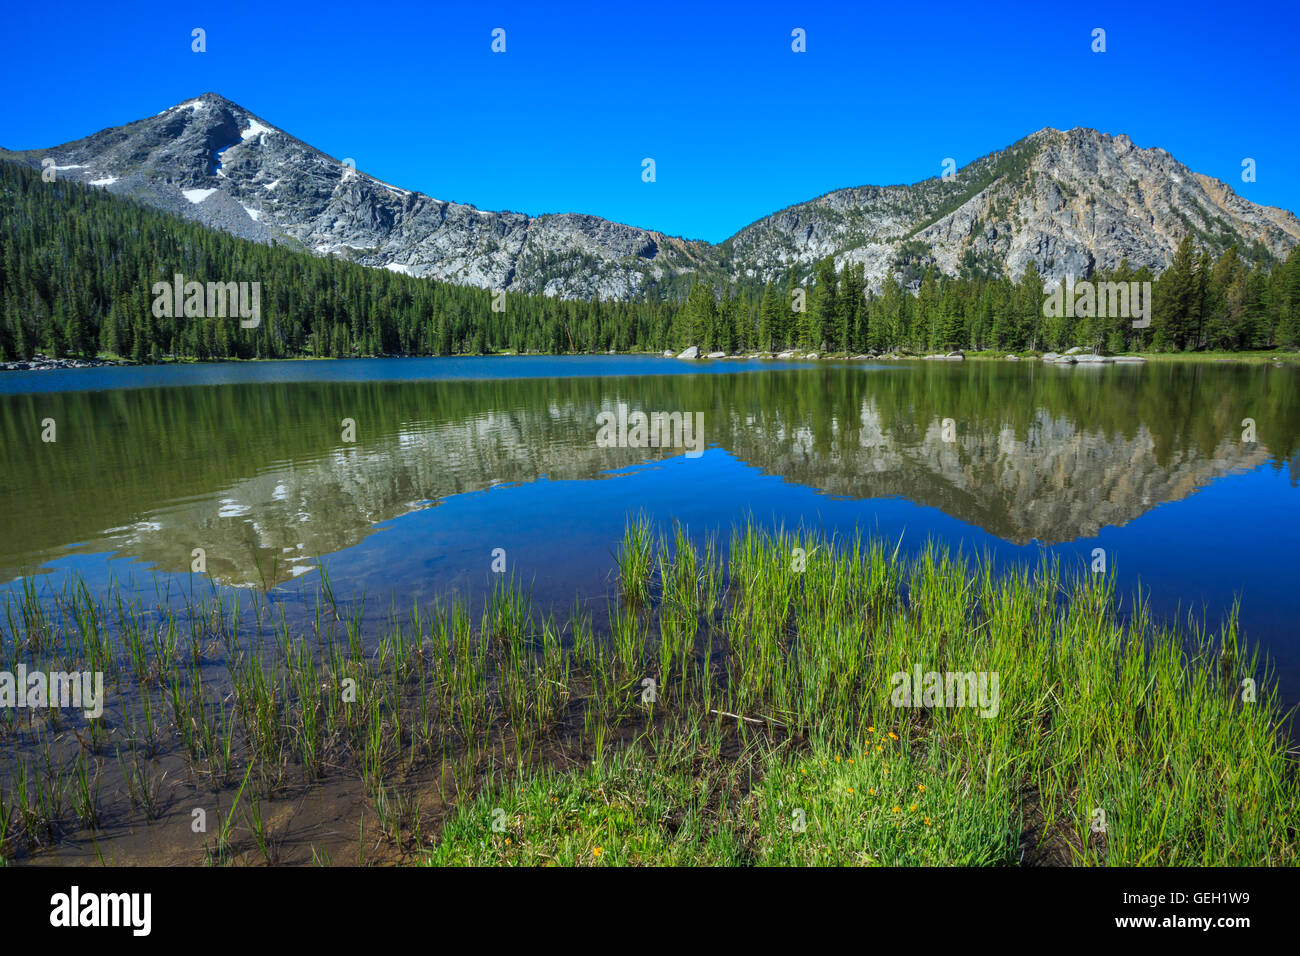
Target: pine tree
822,317
1177,300
769,319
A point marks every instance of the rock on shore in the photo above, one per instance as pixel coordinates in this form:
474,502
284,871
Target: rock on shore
39,363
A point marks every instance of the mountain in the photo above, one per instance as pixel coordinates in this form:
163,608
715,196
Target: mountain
213,161
1068,202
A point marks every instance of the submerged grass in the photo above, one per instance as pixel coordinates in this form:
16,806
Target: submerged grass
738,711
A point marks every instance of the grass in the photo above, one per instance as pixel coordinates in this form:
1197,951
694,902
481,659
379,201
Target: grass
737,706
1288,356
1262,357
772,807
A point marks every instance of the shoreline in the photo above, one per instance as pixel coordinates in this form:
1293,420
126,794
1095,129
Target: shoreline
40,363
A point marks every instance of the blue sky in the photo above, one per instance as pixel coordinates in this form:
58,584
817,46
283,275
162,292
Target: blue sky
738,124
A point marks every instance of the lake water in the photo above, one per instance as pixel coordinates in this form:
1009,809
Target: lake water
455,458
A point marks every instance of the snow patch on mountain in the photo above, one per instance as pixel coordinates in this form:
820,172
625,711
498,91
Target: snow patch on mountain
192,105
255,129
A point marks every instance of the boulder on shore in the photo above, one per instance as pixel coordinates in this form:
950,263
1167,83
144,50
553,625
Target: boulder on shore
689,353
716,355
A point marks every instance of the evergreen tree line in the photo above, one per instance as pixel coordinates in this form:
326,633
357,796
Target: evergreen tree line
78,265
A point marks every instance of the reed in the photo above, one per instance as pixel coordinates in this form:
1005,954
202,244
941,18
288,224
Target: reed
774,662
